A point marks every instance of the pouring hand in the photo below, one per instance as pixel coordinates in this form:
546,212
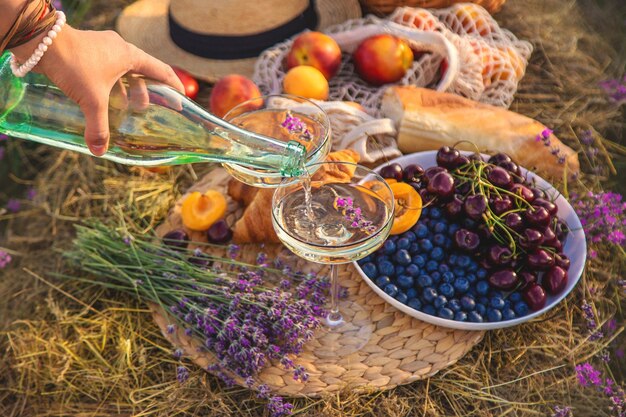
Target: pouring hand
86,65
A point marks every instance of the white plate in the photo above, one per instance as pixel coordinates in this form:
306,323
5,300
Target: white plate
574,247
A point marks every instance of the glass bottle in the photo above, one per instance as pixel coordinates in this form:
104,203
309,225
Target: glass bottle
151,124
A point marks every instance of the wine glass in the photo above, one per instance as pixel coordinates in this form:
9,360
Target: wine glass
342,214
285,118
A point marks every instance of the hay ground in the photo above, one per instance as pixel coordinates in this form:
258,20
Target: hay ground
76,350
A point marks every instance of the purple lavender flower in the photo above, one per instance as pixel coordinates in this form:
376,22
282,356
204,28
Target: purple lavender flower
278,408
354,215
177,354
31,193
562,411
14,205
615,89
171,328
5,259
587,375
590,318
603,216
294,124
233,251
3,137
182,374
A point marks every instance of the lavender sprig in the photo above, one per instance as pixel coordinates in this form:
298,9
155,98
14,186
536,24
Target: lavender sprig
354,215
294,124
5,259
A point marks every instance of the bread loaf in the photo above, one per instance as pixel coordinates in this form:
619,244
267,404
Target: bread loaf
427,120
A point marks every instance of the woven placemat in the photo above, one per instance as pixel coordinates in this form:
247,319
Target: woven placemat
401,349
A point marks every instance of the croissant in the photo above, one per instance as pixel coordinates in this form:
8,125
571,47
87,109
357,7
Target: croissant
255,226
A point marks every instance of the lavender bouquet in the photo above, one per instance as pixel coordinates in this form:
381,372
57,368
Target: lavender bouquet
226,304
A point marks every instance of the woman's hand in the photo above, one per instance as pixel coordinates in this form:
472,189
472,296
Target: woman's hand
85,65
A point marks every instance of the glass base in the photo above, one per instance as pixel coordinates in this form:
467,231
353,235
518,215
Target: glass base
341,336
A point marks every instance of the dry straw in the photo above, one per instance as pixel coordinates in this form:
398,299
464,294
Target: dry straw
74,350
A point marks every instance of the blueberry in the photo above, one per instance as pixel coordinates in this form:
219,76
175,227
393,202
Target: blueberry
382,281
429,309
482,273
426,245
437,253
389,247
386,268
446,289
402,297
420,229
365,260
480,309
411,236
471,278
402,257
520,308
507,304
411,292
497,303
419,260
475,317
447,277
494,315
508,314
482,287
414,303
432,266
440,301
404,281
439,239
453,228
412,270
454,304
472,267
469,224
463,261
391,290
380,257
468,303
443,268
452,259
483,300
460,316
414,248
515,297
403,243
440,227
445,313
370,270
436,276
426,212
435,213
424,281
429,294
399,270
461,285
459,272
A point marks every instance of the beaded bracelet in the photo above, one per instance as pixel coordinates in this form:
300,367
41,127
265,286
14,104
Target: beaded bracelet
26,67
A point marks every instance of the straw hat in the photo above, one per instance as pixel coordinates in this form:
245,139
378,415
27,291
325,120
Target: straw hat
213,38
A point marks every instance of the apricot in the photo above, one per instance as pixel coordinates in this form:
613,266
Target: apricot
199,211
306,81
473,18
408,207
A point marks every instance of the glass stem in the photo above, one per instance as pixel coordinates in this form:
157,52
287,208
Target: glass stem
334,316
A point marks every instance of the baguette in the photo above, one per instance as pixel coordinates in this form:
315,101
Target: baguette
428,120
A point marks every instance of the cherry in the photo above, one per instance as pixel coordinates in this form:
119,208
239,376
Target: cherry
527,278
501,205
537,216
176,239
511,167
538,193
498,158
202,260
393,171
499,177
549,237
475,206
531,239
446,157
463,188
466,240
413,172
554,280
431,172
442,185
460,161
505,279
535,297
523,191
499,255
548,205
484,231
454,207
561,260
219,232
475,157
417,186
540,259
561,229
514,221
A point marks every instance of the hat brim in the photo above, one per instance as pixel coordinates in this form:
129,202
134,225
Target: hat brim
145,24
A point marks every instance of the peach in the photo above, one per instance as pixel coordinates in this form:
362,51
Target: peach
474,18
306,82
317,50
420,19
382,59
231,91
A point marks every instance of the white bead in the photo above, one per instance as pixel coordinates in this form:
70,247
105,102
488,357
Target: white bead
52,34
42,47
47,41
56,28
38,53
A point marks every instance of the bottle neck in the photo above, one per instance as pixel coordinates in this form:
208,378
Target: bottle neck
293,160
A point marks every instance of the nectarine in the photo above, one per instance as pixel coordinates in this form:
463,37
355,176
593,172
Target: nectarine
382,59
230,91
317,50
